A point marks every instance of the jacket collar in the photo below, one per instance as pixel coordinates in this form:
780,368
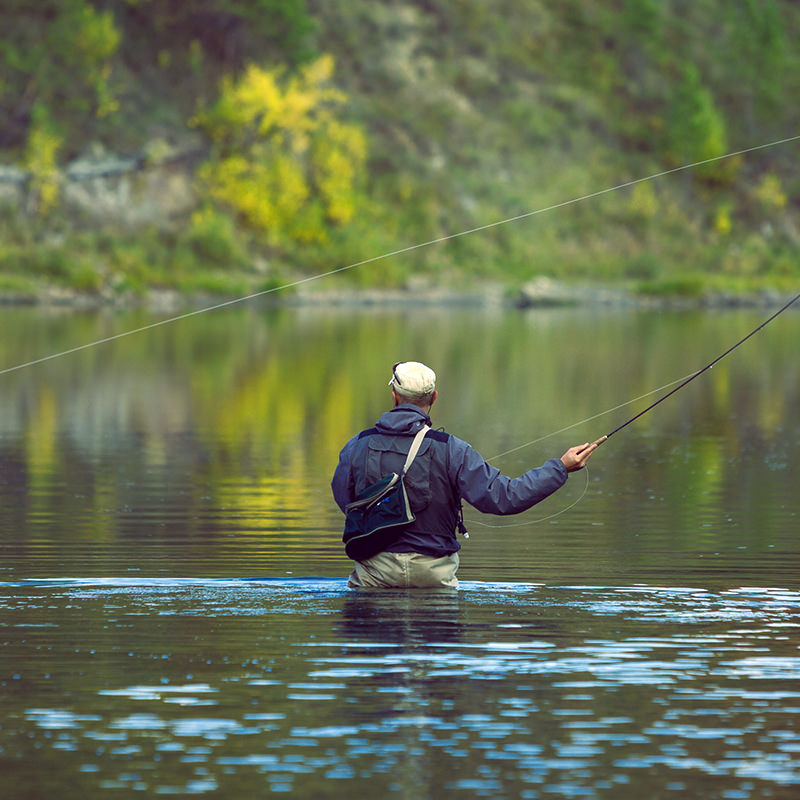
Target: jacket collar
404,419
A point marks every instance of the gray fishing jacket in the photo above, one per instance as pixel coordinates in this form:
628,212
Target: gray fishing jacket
445,470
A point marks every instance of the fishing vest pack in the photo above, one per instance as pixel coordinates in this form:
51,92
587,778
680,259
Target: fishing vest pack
374,519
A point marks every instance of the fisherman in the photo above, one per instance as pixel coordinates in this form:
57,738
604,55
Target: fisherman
445,470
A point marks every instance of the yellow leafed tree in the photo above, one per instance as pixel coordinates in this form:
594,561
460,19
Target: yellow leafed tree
284,161
41,159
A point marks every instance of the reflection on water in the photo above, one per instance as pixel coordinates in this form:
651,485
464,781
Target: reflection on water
206,447
163,497
303,686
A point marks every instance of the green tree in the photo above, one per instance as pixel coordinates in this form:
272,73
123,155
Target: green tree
758,55
41,159
696,128
55,55
229,33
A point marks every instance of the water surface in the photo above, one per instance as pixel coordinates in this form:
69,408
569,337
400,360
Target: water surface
174,617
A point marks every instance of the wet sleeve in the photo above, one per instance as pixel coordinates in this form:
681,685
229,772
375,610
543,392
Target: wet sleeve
487,489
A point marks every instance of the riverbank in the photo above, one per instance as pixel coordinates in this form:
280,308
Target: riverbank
558,158
541,292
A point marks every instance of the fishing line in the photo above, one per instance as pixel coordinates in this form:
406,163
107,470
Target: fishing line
393,253
589,419
700,371
540,519
681,381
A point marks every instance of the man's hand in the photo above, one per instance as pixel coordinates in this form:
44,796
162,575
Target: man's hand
576,457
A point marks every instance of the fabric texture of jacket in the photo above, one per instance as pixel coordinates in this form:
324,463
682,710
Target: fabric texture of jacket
445,470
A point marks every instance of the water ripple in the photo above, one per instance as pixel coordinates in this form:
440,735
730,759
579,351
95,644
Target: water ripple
203,685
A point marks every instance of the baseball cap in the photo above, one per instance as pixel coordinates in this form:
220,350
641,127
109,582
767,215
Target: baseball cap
412,379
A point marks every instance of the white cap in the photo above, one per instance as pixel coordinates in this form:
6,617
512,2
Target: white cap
412,379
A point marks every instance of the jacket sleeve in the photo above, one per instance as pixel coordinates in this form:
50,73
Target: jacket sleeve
342,483
484,487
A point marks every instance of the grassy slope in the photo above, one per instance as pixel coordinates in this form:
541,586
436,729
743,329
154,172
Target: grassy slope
477,112
490,112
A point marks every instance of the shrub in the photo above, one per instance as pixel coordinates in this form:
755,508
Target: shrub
284,162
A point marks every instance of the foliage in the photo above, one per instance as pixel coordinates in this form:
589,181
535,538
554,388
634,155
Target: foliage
760,55
207,256
474,113
230,33
696,130
41,153
78,57
214,238
769,194
683,286
55,55
285,163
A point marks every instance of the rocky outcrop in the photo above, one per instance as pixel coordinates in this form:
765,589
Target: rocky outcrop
106,188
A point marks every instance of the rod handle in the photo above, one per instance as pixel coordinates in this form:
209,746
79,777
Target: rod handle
600,441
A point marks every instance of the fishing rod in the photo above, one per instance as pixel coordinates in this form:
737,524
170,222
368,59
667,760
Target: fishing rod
698,373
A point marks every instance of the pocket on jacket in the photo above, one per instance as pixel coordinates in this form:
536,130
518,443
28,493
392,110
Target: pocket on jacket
388,454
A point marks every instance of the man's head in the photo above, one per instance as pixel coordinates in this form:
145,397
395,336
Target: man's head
414,383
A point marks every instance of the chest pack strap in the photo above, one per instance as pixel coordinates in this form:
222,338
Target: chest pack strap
415,445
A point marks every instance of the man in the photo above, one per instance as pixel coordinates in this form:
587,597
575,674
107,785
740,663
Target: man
446,469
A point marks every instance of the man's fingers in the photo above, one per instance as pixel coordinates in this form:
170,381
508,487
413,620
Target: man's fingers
576,457
582,452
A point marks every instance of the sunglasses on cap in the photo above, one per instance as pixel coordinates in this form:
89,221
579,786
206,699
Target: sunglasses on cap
394,373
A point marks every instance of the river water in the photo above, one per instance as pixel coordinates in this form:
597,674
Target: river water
174,616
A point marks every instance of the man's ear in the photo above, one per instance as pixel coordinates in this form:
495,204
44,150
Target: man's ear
433,397
395,398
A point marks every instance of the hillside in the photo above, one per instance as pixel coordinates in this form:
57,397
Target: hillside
242,143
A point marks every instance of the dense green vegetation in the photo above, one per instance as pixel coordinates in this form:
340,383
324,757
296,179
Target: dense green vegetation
311,135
